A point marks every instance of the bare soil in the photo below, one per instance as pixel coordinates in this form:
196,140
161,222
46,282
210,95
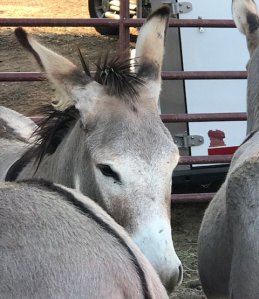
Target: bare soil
25,96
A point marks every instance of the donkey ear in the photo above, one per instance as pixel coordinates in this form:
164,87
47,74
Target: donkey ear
246,17
150,49
67,78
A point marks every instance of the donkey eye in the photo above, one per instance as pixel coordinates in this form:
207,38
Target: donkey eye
109,172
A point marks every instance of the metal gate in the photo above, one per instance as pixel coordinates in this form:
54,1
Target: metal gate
123,24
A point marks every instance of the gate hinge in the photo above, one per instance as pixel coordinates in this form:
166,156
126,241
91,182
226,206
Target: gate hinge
178,7
185,141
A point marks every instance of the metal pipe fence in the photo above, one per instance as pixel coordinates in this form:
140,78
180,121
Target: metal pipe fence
124,23
169,75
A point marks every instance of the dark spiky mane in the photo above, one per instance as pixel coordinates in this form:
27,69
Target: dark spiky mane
52,128
117,76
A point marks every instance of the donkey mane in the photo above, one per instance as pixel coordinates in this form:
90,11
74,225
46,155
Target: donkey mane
51,130
117,74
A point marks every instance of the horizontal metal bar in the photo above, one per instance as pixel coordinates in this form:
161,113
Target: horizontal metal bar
185,160
208,75
203,117
187,23
57,22
21,76
74,22
178,118
174,75
192,197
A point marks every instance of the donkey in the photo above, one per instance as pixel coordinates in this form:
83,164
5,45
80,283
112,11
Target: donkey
16,133
58,243
228,244
105,138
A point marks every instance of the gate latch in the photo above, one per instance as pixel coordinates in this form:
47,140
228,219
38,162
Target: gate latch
179,7
185,141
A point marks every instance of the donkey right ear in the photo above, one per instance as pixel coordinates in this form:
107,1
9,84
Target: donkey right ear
65,76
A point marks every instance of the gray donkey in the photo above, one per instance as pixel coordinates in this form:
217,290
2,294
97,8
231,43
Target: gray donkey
57,243
228,245
106,139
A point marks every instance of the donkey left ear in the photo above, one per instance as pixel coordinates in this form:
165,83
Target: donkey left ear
150,50
67,78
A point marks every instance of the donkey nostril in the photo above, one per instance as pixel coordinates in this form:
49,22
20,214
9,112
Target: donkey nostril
180,276
175,280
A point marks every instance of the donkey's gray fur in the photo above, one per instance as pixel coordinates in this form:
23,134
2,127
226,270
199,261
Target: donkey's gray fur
228,245
15,131
118,152
57,243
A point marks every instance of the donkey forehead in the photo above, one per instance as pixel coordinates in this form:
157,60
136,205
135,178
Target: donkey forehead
142,135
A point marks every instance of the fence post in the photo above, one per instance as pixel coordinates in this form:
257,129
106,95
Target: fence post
124,30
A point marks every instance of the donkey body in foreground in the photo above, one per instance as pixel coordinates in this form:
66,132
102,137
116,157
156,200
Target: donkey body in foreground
106,139
228,246
57,243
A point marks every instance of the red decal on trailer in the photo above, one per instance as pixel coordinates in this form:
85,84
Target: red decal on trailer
216,138
224,150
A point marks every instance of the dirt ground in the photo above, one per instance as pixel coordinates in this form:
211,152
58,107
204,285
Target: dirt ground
27,95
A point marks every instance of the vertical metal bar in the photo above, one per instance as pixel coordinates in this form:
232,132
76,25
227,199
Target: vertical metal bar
139,9
124,35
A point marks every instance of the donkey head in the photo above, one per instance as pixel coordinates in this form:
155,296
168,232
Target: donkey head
125,155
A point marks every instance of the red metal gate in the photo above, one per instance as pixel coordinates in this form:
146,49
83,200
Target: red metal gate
123,24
